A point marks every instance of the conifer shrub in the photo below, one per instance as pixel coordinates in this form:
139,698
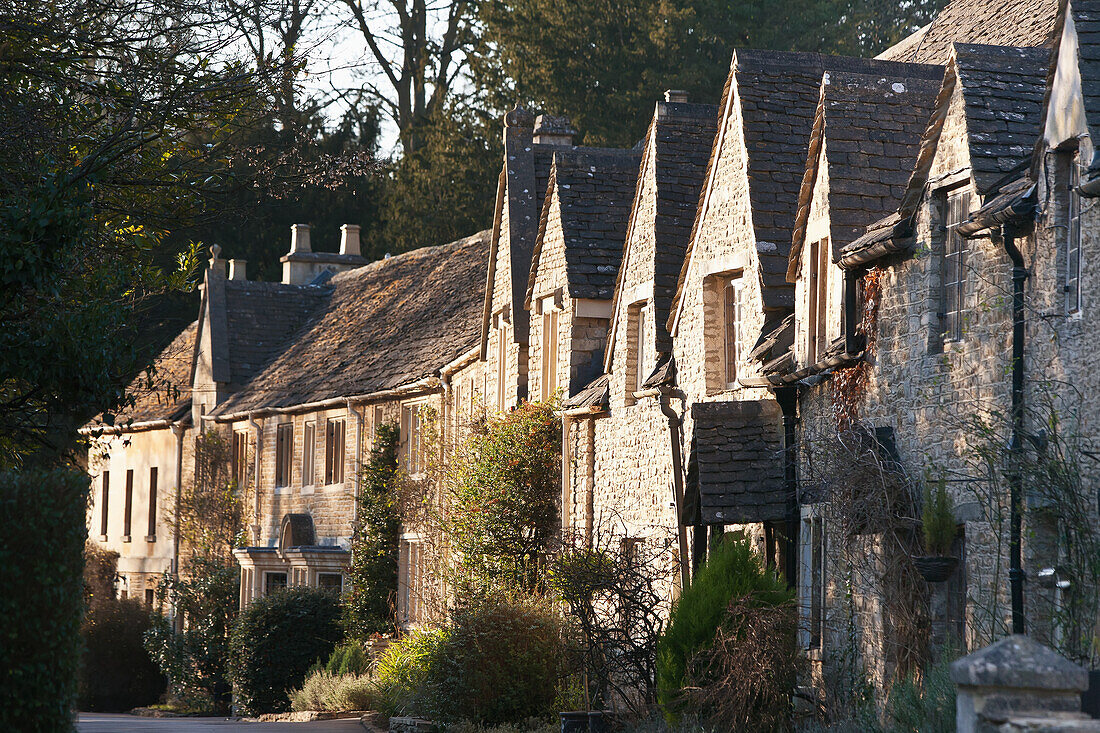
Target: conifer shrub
938,519
348,658
276,641
41,572
732,571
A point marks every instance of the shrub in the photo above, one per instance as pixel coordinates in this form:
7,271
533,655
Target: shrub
275,642
196,659
732,571
402,671
501,661
938,520
369,604
41,564
925,704
117,673
348,658
337,693
505,484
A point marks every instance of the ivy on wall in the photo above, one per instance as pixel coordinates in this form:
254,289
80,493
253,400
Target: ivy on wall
369,605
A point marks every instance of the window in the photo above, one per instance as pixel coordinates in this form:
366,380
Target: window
957,208
150,597
128,509
549,351
641,363
240,457
284,449
151,535
105,495
817,287
812,577
330,581
411,582
1073,234
274,582
412,428
334,451
731,329
309,451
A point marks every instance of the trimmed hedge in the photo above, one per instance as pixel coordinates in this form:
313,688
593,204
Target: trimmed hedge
276,641
118,674
41,572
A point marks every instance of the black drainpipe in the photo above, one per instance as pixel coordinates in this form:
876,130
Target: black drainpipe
1016,571
787,397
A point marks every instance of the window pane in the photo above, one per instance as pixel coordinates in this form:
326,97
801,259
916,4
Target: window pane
730,327
954,269
152,502
309,447
274,582
105,497
129,503
1073,239
330,581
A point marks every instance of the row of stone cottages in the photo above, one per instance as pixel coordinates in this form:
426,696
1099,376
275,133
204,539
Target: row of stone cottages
776,313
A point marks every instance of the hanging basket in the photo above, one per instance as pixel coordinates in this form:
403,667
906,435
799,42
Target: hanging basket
936,568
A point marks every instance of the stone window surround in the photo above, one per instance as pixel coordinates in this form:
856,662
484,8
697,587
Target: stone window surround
284,456
309,456
410,579
409,410
638,313
302,565
549,306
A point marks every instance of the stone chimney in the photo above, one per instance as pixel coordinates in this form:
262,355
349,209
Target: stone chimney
553,130
217,264
299,238
303,266
678,96
237,269
349,239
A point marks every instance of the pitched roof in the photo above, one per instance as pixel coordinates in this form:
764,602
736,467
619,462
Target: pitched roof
385,325
738,449
995,22
677,145
778,93
260,318
593,189
166,394
870,127
1002,90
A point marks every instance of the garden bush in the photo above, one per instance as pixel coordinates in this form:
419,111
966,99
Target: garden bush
402,671
274,643
117,673
41,572
337,693
348,658
501,661
732,571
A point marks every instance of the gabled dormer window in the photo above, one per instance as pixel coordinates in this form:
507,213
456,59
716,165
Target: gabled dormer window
1070,162
817,291
955,262
731,329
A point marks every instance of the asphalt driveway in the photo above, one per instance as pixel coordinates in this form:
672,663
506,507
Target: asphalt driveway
104,723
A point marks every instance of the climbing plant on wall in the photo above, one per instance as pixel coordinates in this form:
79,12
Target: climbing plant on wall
368,607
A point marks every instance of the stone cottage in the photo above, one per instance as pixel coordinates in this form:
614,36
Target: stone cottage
608,430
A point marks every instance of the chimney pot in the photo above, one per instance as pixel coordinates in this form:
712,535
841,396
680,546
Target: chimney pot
217,264
237,269
676,95
349,239
553,130
299,238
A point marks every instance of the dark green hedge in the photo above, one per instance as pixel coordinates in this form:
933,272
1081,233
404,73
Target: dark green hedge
274,643
118,674
41,572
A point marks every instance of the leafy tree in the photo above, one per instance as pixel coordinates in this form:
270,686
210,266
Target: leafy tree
446,188
604,62
368,607
504,487
118,124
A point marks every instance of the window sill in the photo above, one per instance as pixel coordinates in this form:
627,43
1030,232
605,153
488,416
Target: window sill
333,487
125,538
103,538
279,490
307,490
150,538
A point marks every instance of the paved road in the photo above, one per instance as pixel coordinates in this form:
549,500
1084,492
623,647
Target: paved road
102,723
